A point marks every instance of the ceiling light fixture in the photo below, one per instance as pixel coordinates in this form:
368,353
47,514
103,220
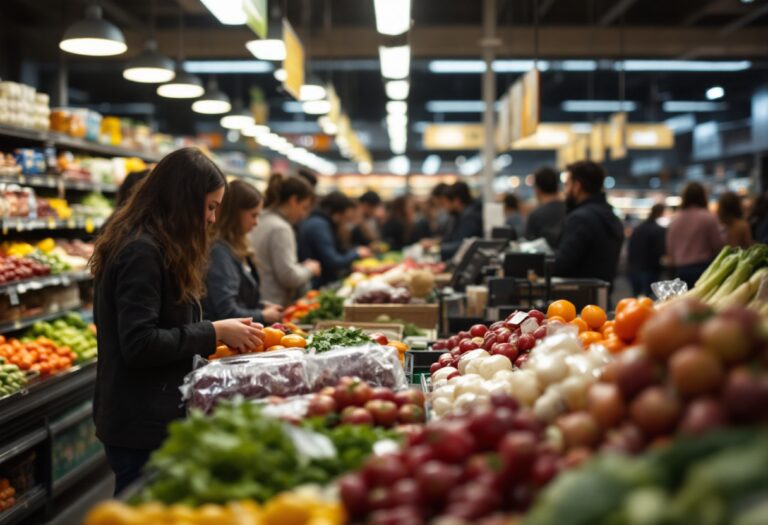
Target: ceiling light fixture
183,85
715,92
272,49
314,91
393,17
597,106
685,65
397,107
256,130
238,119
213,102
150,67
692,106
281,75
316,107
93,36
431,165
455,106
228,12
399,165
223,67
395,62
397,89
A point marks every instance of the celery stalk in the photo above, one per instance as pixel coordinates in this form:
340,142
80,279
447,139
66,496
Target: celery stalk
703,289
748,261
725,252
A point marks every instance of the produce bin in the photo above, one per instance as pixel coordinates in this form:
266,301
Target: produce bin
417,363
422,315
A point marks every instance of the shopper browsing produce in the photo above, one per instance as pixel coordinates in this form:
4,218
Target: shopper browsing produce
731,215
398,230
693,237
547,219
232,287
592,234
467,219
645,251
371,211
147,264
288,201
320,238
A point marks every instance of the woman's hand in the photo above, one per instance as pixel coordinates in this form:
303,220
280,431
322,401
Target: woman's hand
313,266
272,313
240,334
363,252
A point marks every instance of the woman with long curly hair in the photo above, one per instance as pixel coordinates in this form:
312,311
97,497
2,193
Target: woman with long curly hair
149,266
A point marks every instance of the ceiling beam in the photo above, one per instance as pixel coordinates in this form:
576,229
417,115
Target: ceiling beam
615,12
745,20
545,6
120,16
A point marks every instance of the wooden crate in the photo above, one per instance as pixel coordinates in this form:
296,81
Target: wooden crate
422,315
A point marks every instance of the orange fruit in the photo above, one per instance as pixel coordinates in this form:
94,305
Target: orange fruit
555,319
272,336
562,308
589,337
608,326
293,341
581,323
629,320
624,303
594,316
275,347
613,344
646,301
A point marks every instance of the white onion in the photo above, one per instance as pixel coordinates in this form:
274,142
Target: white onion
495,363
469,356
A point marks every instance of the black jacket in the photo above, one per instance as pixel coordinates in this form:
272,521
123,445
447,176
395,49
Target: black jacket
646,247
467,224
147,341
231,287
591,241
394,233
318,241
546,221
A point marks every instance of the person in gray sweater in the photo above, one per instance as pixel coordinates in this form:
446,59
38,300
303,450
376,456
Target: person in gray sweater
288,201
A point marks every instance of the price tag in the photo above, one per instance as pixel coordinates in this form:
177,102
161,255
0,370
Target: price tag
21,289
89,227
65,280
13,297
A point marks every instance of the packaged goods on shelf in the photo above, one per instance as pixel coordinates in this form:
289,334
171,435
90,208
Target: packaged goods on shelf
22,106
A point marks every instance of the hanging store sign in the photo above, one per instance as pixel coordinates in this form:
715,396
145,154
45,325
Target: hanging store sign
531,102
597,142
294,61
649,136
256,16
453,136
617,136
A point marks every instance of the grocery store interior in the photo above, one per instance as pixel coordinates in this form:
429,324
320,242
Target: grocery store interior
316,262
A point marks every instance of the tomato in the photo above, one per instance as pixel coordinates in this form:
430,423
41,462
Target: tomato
594,316
562,308
581,324
630,319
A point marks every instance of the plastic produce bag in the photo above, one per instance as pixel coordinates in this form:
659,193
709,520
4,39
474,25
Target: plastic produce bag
288,373
664,290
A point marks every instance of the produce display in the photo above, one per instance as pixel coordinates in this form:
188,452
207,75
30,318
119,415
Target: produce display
326,340
721,478
12,379
315,306
236,453
291,372
7,493
736,278
401,284
304,506
14,269
39,355
278,336
70,331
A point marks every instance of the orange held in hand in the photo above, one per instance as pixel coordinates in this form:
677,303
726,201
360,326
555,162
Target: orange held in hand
272,337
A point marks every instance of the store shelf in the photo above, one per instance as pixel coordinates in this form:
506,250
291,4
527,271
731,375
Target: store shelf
56,182
22,444
26,322
77,474
26,504
22,224
38,283
65,141
71,419
42,392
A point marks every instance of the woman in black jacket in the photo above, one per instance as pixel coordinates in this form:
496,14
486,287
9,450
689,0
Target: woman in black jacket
232,288
148,265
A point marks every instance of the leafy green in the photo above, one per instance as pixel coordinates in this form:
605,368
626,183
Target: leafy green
236,453
338,336
331,308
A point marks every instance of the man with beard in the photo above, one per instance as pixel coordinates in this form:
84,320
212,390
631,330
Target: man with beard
592,234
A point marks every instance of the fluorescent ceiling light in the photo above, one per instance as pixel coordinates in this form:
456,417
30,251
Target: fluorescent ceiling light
397,107
238,121
681,123
256,130
715,93
268,49
395,61
393,17
397,89
228,12
214,102
399,165
311,92
316,107
292,106
478,66
365,167
227,66
398,148
455,106
93,36
685,65
597,106
692,106
281,75
183,85
397,121
431,165
578,65
328,126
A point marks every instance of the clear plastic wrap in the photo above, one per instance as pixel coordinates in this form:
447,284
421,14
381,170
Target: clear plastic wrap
289,373
664,290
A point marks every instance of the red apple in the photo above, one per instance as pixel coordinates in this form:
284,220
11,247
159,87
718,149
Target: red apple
478,330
